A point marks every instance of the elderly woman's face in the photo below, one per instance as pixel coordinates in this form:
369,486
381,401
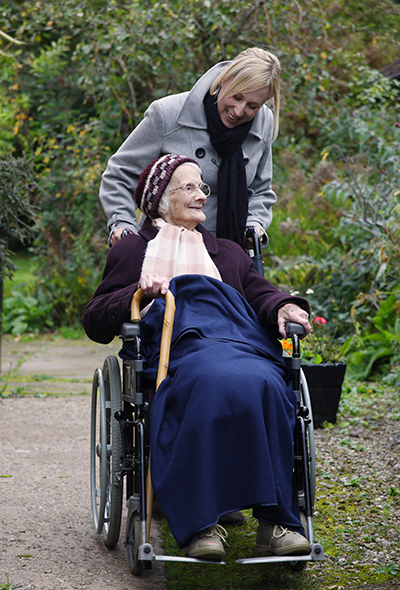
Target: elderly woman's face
242,107
185,210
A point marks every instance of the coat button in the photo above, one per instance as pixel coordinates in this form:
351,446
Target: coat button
114,316
200,153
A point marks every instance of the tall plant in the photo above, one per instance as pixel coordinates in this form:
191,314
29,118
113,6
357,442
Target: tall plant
17,213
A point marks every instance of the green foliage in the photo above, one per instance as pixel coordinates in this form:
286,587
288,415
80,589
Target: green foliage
379,342
24,313
70,277
77,76
321,345
343,228
16,211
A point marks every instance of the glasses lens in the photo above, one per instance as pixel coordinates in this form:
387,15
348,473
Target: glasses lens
189,188
206,189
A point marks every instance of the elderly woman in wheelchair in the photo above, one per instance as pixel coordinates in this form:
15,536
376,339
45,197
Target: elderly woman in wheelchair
222,421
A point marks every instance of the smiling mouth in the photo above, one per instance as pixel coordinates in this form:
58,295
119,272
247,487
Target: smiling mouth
231,117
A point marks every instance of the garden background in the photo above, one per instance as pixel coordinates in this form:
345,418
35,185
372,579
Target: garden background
77,76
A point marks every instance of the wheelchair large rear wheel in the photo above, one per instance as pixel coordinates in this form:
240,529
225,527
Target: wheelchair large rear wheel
98,451
106,450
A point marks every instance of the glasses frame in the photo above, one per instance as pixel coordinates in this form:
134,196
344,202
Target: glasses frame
200,187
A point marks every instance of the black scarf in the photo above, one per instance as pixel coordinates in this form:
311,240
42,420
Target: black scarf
232,183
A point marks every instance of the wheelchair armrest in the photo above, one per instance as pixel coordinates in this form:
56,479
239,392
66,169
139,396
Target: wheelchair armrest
129,330
293,328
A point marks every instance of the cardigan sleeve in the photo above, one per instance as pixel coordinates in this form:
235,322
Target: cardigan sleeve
110,304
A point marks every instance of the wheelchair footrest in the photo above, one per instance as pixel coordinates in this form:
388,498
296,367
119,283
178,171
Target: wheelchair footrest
317,554
187,559
146,553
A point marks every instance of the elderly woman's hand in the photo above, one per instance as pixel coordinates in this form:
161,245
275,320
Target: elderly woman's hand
154,286
292,313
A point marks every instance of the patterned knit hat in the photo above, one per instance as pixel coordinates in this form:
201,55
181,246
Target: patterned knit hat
153,182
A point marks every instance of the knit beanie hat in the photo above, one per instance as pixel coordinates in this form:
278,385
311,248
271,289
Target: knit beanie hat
153,182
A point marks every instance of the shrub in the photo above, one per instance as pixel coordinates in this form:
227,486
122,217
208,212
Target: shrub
16,210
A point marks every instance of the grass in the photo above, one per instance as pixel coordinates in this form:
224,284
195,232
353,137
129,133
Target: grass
23,274
357,511
23,278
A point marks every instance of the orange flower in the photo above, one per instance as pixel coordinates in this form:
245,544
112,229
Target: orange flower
287,346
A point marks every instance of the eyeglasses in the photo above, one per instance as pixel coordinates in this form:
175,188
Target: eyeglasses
190,189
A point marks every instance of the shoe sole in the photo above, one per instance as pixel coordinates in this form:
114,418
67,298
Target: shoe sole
207,554
265,550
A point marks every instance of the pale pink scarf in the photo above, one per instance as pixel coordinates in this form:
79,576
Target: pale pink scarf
177,251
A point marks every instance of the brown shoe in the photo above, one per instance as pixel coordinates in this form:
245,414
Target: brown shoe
208,544
277,540
232,518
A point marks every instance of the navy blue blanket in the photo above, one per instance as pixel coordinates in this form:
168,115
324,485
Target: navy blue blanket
222,421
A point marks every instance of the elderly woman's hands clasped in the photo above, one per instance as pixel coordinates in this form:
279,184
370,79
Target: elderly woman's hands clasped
292,313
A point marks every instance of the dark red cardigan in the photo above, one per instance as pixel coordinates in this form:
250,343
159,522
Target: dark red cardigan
110,305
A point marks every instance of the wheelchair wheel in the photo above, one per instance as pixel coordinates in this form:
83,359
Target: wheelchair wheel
310,448
114,486
98,451
310,435
105,452
133,543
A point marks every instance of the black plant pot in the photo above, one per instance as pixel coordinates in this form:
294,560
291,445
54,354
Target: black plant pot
325,386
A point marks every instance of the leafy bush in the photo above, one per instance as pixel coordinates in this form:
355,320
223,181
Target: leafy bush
377,347
24,313
345,237
16,211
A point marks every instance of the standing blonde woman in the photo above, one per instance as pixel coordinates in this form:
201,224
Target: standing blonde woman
226,123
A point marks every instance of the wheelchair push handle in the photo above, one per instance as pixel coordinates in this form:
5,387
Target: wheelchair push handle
294,328
252,235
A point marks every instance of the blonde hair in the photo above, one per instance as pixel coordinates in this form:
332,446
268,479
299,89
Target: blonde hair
253,69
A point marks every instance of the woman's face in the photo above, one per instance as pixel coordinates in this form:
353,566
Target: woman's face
185,209
242,107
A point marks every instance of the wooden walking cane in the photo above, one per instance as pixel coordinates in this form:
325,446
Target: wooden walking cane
166,336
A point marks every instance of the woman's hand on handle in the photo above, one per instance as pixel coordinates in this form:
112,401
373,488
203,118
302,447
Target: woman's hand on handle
154,285
292,313
117,235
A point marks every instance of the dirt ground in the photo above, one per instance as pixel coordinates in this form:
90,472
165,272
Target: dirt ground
48,541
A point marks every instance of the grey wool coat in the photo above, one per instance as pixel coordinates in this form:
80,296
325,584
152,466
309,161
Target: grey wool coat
177,124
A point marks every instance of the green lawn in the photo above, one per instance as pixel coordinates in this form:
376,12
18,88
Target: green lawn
23,274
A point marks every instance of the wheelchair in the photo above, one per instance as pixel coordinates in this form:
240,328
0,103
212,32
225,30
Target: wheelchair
120,450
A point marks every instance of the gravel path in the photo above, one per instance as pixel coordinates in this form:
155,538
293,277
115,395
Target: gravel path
48,541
